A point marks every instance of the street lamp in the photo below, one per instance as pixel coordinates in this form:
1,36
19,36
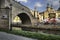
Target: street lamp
10,18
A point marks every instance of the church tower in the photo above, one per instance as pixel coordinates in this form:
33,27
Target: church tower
49,7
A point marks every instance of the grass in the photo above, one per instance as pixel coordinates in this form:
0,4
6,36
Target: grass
36,35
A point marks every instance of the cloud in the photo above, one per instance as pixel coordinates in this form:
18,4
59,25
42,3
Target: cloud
49,0
38,4
55,3
22,1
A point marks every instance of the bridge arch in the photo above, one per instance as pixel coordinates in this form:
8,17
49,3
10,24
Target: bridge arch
24,18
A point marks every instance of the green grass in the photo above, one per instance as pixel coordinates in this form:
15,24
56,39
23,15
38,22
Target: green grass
36,35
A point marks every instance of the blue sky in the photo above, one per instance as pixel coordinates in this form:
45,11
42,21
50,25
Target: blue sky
41,4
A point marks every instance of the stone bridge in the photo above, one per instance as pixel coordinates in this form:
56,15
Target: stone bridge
9,9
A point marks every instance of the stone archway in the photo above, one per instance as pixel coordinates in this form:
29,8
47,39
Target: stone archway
24,18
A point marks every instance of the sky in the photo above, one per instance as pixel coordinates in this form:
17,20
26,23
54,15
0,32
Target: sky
40,4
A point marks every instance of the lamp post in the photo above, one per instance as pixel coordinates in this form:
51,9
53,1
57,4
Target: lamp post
10,18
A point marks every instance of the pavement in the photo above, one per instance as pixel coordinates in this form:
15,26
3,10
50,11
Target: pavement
6,36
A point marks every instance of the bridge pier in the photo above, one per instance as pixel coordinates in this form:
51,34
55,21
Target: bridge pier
4,17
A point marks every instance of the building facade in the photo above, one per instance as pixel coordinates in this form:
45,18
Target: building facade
50,13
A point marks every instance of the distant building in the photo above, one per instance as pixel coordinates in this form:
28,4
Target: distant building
37,15
50,13
58,13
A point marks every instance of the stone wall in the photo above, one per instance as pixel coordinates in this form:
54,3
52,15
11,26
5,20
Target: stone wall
4,18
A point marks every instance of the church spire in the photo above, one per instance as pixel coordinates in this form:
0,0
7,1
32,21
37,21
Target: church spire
47,5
